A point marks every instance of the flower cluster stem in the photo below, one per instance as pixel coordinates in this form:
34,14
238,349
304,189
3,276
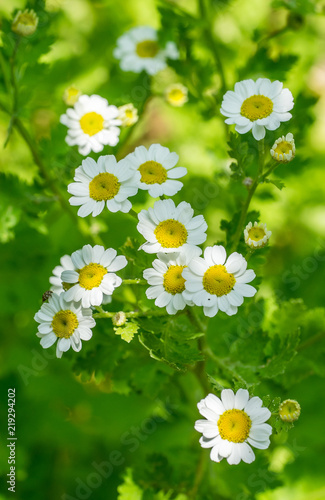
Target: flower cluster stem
256,182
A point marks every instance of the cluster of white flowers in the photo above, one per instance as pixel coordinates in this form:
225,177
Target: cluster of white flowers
180,276
83,280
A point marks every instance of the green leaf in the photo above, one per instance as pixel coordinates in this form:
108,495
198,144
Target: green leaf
127,331
129,490
279,184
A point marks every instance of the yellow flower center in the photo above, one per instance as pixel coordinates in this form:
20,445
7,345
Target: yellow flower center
171,234
289,410
176,95
64,324
283,147
104,187
173,280
256,233
217,280
91,276
129,113
256,107
152,172
147,48
234,425
92,123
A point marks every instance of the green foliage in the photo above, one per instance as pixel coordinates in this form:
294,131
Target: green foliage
131,392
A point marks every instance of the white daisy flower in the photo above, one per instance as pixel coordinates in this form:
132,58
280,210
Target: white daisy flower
176,95
216,283
284,149
92,124
257,106
167,281
232,424
157,166
66,264
66,323
257,235
93,277
138,50
105,182
128,115
168,228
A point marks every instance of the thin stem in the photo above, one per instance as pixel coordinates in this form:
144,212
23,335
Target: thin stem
136,281
257,180
133,213
223,366
48,179
208,32
311,341
199,473
130,314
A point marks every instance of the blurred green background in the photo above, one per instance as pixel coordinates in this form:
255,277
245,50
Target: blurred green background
71,413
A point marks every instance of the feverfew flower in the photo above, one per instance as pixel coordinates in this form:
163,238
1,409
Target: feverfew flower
233,424
66,264
93,277
71,95
157,166
167,281
66,323
92,124
105,182
289,410
25,23
128,115
284,149
257,235
138,50
216,283
176,94
168,228
257,106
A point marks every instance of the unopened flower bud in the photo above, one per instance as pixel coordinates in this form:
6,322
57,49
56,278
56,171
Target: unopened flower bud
119,319
289,410
25,23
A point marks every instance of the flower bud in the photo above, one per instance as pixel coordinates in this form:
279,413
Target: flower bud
119,319
25,23
289,410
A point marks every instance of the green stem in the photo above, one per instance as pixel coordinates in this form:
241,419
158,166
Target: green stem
48,179
134,214
136,281
313,340
207,18
224,367
130,314
199,473
243,214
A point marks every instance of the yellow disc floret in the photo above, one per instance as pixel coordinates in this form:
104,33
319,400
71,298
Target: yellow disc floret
171,234
217,280
64,324
289,410
256,233
234,426
91,276
104,187
173,280
92,123
152,172
147,48
256,107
